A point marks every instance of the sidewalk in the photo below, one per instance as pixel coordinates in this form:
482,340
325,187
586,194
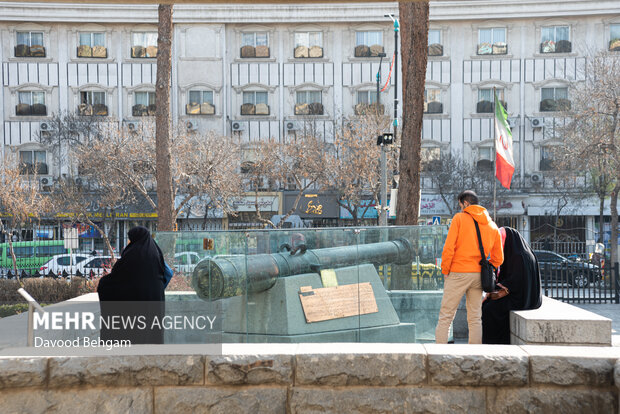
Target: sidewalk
608,310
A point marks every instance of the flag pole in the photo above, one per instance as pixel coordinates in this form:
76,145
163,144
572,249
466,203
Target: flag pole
494,155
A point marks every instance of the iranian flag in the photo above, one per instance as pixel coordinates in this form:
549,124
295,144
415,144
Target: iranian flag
504,161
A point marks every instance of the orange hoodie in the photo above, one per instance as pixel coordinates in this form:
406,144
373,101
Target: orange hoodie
461,253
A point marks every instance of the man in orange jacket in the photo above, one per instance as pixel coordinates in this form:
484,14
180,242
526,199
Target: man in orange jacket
460,265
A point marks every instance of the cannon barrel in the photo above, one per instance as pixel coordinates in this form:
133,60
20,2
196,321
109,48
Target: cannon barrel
221,277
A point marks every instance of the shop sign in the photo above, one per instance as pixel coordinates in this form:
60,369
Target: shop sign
313,205
433,205
248,203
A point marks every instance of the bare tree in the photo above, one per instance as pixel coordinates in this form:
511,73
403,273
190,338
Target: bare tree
414,41
70,195
20,197
301,162
205,166
355,171
592,137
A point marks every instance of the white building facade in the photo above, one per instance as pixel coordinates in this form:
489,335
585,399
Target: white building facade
259,71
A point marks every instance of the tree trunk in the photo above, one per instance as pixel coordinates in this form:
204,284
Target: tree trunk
414,41
165,202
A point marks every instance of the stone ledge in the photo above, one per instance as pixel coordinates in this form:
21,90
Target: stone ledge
365,369
129,370
387,400
250,369
554,365
559,323
255,400
550,400
477,365
94,400
22,372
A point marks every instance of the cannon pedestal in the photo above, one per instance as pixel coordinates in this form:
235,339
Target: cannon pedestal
276,315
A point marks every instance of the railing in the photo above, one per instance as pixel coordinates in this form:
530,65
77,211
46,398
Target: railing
580,282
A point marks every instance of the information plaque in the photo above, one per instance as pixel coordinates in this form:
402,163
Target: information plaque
337,302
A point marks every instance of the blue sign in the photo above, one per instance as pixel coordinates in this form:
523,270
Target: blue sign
436,220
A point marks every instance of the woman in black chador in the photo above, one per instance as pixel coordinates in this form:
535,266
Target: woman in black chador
135,289
520,276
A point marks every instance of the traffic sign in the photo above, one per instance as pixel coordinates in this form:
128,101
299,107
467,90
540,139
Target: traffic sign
436,220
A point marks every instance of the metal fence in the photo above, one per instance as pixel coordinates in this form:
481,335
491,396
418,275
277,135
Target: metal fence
579,283
565,248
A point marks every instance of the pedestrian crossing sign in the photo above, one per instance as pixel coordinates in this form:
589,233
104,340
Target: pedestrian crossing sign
436,220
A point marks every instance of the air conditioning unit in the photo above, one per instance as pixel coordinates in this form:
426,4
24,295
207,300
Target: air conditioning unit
537,122
46,183
191,126
513,122
536,178
292,126
47,126
131,126
237,126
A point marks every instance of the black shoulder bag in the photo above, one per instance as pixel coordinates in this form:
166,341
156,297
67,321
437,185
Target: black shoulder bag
488,272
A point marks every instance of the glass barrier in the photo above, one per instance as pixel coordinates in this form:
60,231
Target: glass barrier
367,284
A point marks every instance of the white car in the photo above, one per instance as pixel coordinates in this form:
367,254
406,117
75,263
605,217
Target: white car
95,266
185,262
63,263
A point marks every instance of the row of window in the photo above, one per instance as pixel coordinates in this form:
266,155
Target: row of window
257,102
253,45
492,41
551,100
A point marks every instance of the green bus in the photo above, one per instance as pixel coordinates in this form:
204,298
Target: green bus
30,255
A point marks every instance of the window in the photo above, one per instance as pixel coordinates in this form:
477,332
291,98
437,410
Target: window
33,162
52,250
367,97
255,103
308,44
486,101
485,158
92,103
29,44
430,157
432,101
144,45
65,260
492,41
23,251
31,103
554,39
200,103
144,104
309,103
435,48
368,43
614,37
546,159
92,44
255,44
367,100
554,99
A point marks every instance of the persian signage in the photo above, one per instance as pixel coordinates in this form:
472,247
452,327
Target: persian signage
337,302
312,205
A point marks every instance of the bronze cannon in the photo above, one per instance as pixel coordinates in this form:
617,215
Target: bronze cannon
227,276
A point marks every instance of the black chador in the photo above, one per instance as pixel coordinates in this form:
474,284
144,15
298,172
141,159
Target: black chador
134,290
519,273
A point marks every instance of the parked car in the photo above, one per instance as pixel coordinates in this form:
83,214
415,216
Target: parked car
185,262
63,263
556,267
95,266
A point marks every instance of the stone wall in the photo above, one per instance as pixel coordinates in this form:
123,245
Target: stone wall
313,378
